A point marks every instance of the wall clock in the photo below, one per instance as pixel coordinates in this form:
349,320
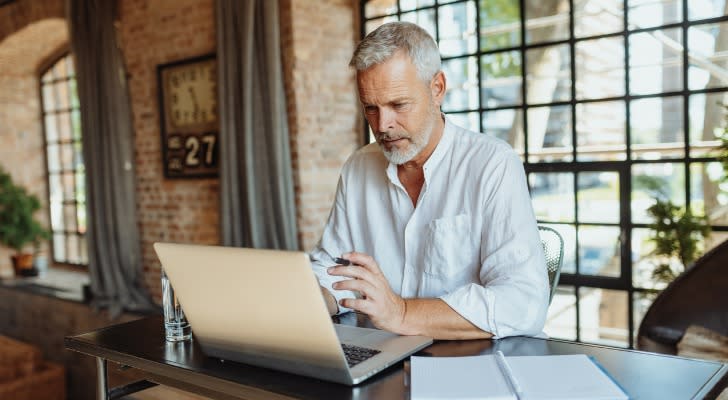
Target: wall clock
189,117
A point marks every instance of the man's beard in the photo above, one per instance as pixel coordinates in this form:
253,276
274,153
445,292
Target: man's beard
416,145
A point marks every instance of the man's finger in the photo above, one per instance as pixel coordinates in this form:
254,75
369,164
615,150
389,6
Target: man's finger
360,305
363,260
359,285
353,271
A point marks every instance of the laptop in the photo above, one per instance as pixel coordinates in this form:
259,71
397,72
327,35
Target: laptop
265,308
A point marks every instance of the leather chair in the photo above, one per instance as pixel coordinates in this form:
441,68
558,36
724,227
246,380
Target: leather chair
697,297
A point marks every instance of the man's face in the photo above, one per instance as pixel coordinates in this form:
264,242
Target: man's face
400,108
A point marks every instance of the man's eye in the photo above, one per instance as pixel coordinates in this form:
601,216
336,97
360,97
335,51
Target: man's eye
400,106
370,110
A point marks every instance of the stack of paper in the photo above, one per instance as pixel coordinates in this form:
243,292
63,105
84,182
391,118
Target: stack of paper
567,377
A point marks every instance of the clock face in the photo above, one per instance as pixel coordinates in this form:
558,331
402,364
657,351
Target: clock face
190,94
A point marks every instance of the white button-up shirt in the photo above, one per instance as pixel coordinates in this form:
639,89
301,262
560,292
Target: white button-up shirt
472,239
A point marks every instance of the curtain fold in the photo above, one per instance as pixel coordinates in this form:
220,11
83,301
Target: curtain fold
256,179
108,149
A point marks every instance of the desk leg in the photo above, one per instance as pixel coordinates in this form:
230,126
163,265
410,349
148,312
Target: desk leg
102,385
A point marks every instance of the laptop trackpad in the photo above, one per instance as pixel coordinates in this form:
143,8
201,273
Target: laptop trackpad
362,336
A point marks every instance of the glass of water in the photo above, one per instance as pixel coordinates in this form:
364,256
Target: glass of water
176,327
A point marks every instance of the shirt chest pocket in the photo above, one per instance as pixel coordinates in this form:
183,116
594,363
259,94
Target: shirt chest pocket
449,249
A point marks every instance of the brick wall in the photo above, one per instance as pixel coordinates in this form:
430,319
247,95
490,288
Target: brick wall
317,40
177,210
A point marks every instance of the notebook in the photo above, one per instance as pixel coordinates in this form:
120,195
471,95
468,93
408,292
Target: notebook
265,308
556,377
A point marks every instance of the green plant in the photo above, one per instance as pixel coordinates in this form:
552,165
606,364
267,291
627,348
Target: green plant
18,228
677,235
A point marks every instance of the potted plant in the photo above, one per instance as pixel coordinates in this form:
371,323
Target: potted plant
18,227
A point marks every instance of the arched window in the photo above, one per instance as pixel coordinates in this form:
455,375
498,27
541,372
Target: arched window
64,156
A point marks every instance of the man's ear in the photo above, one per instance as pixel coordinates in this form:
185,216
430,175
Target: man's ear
438,85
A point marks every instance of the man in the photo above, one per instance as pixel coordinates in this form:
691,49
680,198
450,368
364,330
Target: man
435,220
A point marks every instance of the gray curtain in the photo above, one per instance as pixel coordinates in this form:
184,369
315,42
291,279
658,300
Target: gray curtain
108,150
256,181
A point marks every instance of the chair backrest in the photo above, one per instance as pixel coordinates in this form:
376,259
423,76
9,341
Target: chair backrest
553,247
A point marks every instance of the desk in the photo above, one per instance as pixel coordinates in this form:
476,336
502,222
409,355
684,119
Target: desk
140,344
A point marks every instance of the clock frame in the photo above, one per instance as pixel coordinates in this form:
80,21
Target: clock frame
189,124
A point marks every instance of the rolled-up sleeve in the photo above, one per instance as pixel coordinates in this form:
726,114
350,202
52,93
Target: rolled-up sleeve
512,297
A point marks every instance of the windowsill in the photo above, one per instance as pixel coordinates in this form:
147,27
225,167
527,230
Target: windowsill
55,282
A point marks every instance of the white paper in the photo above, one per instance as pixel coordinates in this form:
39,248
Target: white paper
567,377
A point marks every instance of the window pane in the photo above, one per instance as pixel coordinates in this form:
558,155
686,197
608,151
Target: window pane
647,13
51,128
599,251
707,123
600,131
561,317
501,79
549,134
462,76
506,125
548,74
500,24
425,19
80,186
708,56
656,180
83,250
47,77
69,215
656,62
70,68
407,5
369,26
57,222
77,155
64,99
643,262
657,128
59,247
49,98
76,124
600,68
603,316
66,156
54,158
598,196
73,254
466,120
597,17
552,196
547,21
67,180
64,126
568,234
375,8
706,9
457,29
60,69
708,192
74,93
56,189
81,222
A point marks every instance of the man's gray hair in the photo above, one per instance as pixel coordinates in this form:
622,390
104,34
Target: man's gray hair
381,44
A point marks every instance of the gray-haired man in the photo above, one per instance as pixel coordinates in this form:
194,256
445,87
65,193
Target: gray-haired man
435,219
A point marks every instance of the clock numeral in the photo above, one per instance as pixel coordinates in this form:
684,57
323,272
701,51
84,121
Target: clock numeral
209,140
192,145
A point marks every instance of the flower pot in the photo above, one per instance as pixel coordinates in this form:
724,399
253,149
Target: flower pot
22,263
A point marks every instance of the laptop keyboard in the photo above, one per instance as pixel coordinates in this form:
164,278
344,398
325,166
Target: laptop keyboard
355,354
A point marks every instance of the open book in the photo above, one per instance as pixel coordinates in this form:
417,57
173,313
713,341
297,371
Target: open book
564,377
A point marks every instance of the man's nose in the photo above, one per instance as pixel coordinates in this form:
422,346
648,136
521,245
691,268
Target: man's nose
385,122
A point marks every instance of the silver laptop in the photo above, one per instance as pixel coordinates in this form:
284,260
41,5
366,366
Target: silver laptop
265,308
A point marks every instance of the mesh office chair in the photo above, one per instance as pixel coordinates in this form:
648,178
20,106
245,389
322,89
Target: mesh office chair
553,247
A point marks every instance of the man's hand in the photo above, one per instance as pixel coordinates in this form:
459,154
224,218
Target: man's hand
385,309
